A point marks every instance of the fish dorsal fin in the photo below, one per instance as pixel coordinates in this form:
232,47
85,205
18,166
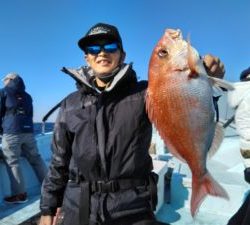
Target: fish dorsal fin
217,140
221,83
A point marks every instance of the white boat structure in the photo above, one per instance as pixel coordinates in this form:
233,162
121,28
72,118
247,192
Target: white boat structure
174,187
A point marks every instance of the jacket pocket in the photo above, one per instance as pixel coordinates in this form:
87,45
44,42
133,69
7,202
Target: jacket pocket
70,207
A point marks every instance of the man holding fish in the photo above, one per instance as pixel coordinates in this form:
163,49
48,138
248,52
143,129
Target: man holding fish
101,171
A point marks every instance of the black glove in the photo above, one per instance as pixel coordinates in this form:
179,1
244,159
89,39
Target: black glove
247,175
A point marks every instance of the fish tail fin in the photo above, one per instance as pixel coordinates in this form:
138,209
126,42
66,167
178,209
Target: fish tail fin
202,188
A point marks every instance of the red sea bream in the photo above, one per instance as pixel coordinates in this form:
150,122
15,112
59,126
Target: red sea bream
180,105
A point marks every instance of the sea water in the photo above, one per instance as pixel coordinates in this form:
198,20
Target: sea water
38,128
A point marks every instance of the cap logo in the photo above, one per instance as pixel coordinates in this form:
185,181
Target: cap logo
99,30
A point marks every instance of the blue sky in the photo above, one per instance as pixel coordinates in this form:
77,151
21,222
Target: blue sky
39,37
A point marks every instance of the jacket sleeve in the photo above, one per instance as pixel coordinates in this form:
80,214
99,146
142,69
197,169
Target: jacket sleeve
243,121
55,182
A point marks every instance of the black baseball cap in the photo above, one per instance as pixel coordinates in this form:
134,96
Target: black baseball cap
100,31
245,75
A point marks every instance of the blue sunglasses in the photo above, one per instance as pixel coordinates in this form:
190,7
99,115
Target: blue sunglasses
96,49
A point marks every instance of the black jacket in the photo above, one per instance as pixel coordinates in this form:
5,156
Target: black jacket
100,136
16,109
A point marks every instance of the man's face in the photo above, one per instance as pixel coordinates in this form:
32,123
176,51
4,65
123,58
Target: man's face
105,61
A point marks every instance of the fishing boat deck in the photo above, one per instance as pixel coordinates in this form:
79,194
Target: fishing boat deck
13,214
18,213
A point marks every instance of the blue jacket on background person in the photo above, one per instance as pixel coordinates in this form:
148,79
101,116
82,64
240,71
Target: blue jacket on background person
16,110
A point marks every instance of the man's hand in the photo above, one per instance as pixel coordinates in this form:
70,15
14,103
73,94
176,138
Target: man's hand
213,66
46,220
52,220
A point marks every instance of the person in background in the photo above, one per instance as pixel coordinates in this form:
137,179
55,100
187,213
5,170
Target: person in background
101,170
16,122
239,99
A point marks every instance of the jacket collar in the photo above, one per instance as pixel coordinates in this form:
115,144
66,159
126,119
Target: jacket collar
84,75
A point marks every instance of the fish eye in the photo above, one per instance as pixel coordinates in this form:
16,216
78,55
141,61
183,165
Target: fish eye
163,53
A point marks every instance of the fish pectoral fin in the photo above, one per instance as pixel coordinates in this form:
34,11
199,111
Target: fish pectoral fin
221,83
217,140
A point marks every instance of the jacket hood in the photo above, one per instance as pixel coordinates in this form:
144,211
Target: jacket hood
85,76
245,75
241,90
15,85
